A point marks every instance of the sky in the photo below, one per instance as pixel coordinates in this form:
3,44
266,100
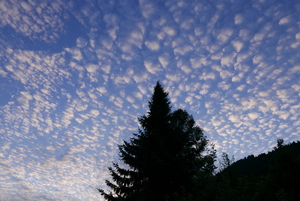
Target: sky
75,75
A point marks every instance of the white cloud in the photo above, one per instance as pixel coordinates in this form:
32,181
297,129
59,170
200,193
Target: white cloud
296,87
91,68
169,31
152,68
237,78
269,103
253,115
147,8
94,113
80,106
136,38
284,115
111,19
186,69
296,123
228,60
263,93
285,20
263,109
68,115
241,87
258,38
224,35
164,60
102,90
189,100
213,21
241,57
259,58
81,42
182,50
216,123
142,89
207,76
223,85
294,69
51,148
38,97
275,73
141,77
199,61
238,19
187,24
238,45
234,118
173,77
130,99
217,68
37,25
26,6
283,94
79,120
249,103
203,91
76,53
224,74
153,45
106,68
281,81
27,95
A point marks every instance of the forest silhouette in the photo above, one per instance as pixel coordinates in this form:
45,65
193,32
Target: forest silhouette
171,159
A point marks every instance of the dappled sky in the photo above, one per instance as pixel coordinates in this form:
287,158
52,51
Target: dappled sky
75,75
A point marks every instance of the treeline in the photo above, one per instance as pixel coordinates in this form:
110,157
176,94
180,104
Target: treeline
170,159
271,176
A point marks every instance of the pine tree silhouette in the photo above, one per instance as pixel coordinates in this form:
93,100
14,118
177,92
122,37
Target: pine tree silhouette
164,158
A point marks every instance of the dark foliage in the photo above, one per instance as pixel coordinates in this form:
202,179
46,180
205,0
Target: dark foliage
272,176
168,160
165,158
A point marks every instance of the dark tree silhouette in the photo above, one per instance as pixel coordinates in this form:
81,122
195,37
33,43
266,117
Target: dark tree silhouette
225,161
271,176
165,159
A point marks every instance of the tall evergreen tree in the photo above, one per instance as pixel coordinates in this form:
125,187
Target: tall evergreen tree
165,158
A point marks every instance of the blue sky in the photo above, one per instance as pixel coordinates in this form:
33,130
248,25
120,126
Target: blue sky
75,75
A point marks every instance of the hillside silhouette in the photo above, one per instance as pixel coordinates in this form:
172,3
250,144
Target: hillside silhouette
259,165
268,176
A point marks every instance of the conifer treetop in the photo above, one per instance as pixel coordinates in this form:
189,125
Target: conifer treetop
159,108
164,159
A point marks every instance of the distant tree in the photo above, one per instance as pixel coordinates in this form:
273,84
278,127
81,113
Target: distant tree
165,160
280,144
226,161
226,180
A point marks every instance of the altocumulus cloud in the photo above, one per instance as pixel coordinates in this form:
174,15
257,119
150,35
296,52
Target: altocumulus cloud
233,65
